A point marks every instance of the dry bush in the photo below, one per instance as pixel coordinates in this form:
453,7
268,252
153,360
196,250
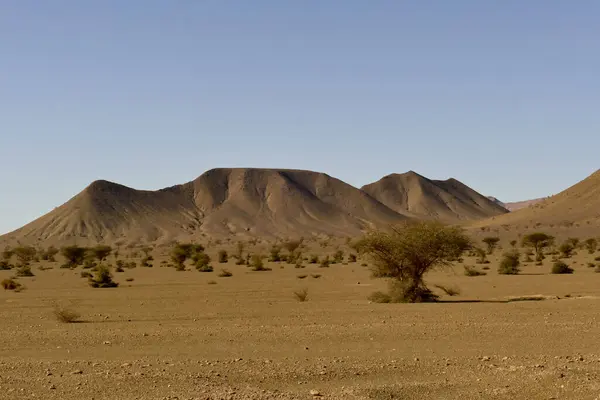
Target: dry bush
301,295
10,284
211,282
315,276
510,264
102,278
560,267
472,271
223,257
225,273
24,271
65,315
256,263
301,276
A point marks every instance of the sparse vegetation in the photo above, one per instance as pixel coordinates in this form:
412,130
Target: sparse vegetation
315,276
566,249
591,245
472,271
491,242
275,254
338,257
10,284
409,251
510,264
102,278
314,259
100,252
256,263
66,315
25,254
301,276
325,262
223,257
74,256
24,271
537,241
560,267
481,256
352,258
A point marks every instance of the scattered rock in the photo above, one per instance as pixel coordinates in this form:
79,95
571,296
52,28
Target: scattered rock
315,393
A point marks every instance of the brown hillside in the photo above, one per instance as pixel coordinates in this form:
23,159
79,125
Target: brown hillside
517,205
261,202
417,196
577,205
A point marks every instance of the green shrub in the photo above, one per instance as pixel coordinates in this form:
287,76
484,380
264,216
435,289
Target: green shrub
74,255
275,254
510,264
338,257
560,267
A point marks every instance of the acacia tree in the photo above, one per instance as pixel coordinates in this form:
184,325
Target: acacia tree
406,252
538,241
74,255
491,243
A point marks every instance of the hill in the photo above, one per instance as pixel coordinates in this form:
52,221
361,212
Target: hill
416,196
577,206
256,202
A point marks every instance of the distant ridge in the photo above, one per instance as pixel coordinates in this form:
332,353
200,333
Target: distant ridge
224,201
577,205
416,196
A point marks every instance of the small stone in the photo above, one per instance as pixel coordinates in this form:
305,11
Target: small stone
52,387
315,393
486,358
106,342
125,365
77,372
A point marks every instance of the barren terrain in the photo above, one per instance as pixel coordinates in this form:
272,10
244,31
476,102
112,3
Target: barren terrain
172,335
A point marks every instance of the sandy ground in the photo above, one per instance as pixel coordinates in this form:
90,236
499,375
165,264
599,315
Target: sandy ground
171,335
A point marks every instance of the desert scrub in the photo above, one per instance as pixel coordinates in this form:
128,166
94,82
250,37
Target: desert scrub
65,315
561,267
301,276
10,284
24,271
256,263
102,278
510,264
315,276
325,263
352,258
472,271
223,257
86,274
5,266
225,273
314,259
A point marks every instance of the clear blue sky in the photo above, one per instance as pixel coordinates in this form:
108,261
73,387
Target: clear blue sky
502,95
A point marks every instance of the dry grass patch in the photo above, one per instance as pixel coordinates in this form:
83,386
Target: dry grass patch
449,290
10,284
66,315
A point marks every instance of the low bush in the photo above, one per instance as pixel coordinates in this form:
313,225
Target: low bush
510,264
225,273
472,271
314,259
65,315
315,276
301,276
102,278
24,271
560,267
10,284
223,257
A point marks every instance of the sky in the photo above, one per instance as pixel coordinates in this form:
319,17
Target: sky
501,95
